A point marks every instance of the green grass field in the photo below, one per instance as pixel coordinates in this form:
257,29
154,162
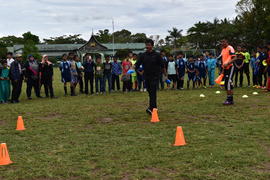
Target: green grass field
111,137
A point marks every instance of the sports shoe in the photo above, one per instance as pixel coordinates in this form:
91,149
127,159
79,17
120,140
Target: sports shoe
226,103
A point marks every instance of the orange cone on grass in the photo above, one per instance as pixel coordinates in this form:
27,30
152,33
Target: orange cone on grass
20,124
219,79
179,137
155,118
4,156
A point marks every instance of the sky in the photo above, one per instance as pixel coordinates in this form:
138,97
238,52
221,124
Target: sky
51,18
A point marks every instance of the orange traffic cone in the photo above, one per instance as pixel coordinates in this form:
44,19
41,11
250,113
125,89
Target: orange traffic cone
20,124
219,79
155,118
4,156
179,137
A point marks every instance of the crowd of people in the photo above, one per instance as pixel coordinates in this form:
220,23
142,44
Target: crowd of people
98,77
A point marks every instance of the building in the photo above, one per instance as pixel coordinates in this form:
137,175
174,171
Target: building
92,47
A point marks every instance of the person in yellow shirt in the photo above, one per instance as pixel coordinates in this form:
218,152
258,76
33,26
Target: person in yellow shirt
246,64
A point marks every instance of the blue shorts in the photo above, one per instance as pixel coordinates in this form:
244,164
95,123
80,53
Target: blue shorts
192,76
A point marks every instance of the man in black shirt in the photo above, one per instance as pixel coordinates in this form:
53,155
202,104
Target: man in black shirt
89,67
153,65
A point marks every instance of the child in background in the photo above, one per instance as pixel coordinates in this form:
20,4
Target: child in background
202,67
126,78
108,74
254,67
116,72
99,73
181,69
191,70
172,71
140,78
211,67
74,74
134,75
80,72
4,83
65,72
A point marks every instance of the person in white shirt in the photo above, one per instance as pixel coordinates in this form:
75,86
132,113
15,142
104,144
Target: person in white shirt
9,59
172,71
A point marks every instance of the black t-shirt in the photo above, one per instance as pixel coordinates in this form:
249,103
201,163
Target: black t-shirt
240,58
152,64
107,68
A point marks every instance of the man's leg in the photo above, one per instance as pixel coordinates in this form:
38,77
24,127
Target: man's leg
92,83
241,76
229,86
36,87
29,85
86,80
236,76
113,81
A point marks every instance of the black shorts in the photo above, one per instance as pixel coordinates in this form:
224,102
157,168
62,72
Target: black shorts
228,78
173,78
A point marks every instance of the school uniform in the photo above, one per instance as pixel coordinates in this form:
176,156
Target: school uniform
16,77
32,72
140,78
181,68
255,70
65,71
239,62
171,71
89,70
47,78
261,69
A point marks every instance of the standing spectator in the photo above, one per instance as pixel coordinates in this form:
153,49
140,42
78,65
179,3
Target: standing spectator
202,68
80,72
161,79
89,69
116,72
211,66
74,75
261,57
134,80
246,64
99,75
140,78
238,64
172,71
32,76
4,83
153,65
65,72
16,77
108,74
126,78
46,69
191,71
181,68
255,70
9,59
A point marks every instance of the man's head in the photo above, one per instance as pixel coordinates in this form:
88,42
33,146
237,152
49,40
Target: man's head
130,55
71,55
191,58
45,58
149,44
115,58
64,57
31,57
107,59
180,55
4,63
9,55
98,60
224,43
18,57
135,56
171,57
76,58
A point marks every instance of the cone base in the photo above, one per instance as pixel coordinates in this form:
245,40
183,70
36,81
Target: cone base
6,163
155,121
180,144
20,129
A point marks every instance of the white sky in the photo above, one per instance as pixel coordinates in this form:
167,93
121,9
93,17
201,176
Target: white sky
50,18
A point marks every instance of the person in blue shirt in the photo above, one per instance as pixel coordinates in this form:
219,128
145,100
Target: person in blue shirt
202,68
140,78
254,67
181,68
65,71
191,71
116,72
261,57
211,68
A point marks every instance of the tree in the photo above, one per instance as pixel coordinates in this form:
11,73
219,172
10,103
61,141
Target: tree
3,51
104,36
138,38
70,39
29,36
174,36
123,36
30,48
8,41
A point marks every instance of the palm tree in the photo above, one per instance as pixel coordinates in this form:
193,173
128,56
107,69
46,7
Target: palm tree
175,35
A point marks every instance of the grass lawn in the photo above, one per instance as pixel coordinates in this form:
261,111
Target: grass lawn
111,137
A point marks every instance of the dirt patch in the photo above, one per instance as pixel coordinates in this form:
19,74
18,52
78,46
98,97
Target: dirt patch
265,168
2,123
51,116
105,120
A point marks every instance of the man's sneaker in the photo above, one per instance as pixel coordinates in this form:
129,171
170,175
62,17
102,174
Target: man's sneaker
228,103
148,111
29,98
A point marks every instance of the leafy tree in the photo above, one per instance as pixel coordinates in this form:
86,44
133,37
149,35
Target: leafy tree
122,53
30,48
8,41
3,51
104,36
29,36
138,38
174,36
70,39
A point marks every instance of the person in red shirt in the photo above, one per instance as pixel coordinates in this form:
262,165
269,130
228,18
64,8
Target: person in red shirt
126,78
228,57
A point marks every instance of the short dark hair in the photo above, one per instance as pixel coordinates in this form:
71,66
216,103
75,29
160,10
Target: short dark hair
10,53
180,53
211,54
149,41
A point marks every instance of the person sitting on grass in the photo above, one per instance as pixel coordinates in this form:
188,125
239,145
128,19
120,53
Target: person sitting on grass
65,72
4,83
191,71
99,79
